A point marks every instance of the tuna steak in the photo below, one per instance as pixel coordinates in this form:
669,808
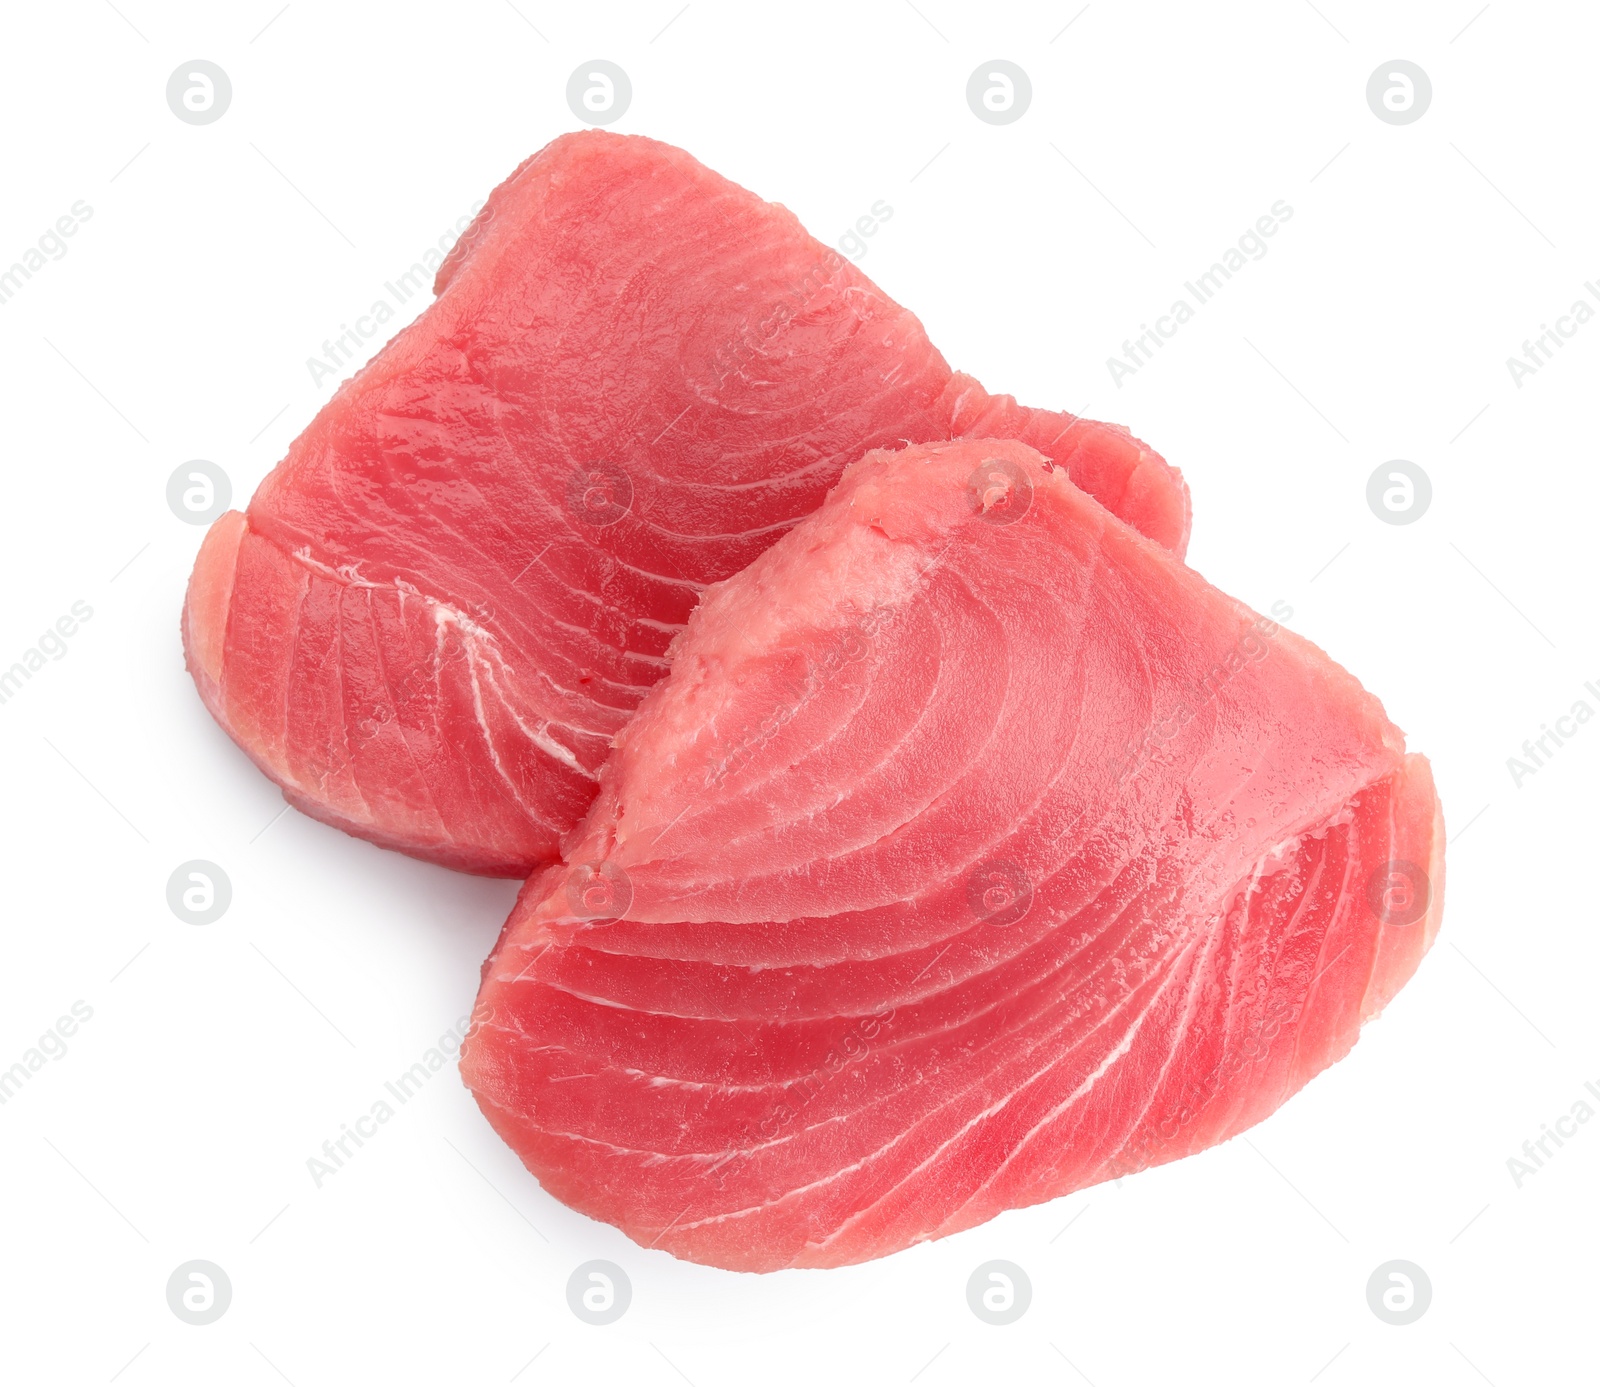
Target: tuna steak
975,850
454,590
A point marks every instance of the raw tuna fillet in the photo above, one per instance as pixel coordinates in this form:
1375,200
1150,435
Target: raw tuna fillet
974,851
455,589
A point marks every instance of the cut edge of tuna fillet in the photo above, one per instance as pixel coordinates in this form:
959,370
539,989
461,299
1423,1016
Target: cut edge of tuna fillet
399,815
974,851
421,640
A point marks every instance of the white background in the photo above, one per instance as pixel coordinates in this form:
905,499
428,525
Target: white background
219,1058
